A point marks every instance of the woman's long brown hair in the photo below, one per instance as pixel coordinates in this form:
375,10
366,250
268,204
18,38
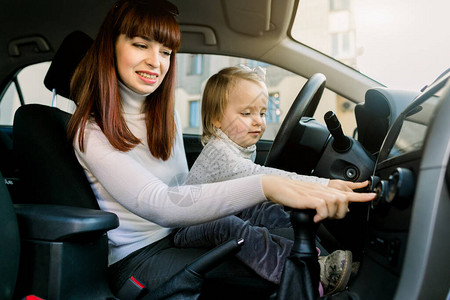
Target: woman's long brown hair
94,86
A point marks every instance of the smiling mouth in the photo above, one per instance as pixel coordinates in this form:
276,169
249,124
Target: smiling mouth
147,76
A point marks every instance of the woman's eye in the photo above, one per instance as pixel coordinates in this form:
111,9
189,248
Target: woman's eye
245,114
167,53
140,46
263,114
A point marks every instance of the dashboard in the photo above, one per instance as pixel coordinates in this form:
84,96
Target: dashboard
402,219
402,145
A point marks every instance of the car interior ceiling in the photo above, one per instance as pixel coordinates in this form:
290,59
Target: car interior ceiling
212,37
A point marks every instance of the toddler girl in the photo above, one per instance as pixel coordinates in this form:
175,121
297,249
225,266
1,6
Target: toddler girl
234,105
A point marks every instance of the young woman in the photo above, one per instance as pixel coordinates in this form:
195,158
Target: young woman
128,138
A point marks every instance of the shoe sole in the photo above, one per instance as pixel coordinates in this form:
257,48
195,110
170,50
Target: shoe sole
347,271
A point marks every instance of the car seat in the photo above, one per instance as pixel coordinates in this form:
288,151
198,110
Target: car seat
48,166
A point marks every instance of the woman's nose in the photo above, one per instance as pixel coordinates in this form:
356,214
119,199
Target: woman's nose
153,58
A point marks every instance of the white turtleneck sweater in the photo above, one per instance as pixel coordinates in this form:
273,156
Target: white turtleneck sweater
145,192
222,159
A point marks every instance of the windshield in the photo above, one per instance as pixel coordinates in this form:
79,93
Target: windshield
402,44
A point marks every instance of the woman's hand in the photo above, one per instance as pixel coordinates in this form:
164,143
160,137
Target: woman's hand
328,201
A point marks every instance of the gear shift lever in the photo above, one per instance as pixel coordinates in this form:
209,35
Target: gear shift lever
301,274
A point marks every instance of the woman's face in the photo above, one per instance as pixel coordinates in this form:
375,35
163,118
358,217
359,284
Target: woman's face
142,63
244,120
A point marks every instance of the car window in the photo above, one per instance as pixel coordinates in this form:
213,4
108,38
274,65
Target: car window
10,102
193,72
283,86
403,44
30,85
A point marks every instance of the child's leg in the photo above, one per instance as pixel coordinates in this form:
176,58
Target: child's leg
267,214
264,253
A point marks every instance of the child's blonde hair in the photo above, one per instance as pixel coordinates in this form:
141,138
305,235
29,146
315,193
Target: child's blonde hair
215,95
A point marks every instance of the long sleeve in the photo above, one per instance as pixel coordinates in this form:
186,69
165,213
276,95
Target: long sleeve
147,196
167,203
221,160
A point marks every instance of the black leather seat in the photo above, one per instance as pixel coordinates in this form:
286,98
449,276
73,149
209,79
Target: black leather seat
63,232
48,166
47,163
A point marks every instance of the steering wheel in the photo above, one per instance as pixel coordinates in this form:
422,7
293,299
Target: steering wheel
305,104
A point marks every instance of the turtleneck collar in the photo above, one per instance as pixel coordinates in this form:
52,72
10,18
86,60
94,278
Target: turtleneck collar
248,152
132,102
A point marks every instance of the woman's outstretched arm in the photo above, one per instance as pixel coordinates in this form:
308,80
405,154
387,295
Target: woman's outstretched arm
329,202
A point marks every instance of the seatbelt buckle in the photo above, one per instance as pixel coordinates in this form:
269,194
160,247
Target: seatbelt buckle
132,289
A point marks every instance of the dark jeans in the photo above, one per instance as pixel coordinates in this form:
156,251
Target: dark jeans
263,252
156,263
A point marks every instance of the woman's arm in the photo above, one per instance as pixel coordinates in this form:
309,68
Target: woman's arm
136,188
127,182
327,201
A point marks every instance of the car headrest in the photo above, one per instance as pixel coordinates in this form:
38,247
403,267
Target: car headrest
72,50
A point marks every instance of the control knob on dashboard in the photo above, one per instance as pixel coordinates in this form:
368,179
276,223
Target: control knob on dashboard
381,188
401,187
397,190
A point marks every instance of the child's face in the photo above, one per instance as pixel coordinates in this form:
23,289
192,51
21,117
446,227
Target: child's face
244,119
142,63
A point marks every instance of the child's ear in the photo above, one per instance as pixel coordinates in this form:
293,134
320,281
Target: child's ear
216,124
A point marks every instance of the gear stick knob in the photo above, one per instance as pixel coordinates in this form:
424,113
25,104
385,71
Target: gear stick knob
304,231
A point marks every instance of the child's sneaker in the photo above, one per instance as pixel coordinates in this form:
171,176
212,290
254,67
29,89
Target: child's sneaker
335,271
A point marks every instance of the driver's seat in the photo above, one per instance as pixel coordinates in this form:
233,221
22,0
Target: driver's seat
56,238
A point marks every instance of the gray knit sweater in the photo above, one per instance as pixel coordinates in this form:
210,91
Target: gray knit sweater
221,159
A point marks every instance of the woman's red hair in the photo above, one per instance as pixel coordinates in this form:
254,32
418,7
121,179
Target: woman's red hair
94,85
